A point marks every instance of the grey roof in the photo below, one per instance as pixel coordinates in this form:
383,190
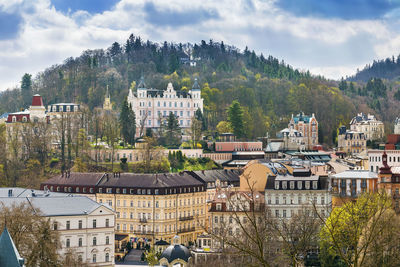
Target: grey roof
4,115
76,178
23,192
354,174
50,203
142,180
174,252
196,85
274,146
231,176
9,256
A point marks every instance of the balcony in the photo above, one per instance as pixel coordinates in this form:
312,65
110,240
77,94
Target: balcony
143,232
185,230
186,218
143,220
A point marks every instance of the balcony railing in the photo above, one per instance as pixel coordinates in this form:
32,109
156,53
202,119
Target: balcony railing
186,218
143,220
143,232
185,230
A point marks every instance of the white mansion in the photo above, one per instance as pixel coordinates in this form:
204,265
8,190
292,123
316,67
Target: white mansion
152,105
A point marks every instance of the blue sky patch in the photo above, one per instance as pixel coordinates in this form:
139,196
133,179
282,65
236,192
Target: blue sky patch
177,18
10,25
343,9
97,6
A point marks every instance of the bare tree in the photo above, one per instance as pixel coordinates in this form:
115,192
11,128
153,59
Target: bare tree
32,235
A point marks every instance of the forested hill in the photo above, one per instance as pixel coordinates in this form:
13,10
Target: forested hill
388,68
268,90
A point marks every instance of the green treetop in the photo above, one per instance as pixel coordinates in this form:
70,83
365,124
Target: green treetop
235,117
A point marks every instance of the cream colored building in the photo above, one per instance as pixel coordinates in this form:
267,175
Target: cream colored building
369,125
351,142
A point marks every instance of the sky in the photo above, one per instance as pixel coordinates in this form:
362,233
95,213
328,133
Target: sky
332,38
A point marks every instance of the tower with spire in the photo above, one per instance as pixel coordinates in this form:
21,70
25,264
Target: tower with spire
107,101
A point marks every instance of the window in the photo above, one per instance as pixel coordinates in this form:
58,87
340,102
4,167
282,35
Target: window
322,200
276,200
80,242
107,257
292,185
284,214
216,219
277,213
55,226
80,224
67,243
307,185
299,184
284,185
68,225
107,222
315,184
276,184
94,258
94,241
107,240
94,223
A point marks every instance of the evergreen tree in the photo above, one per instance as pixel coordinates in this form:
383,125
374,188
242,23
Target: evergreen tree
127,122
199,116
235,117
172,131
26,89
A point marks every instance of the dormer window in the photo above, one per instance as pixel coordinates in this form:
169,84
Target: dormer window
315,184
68,108
24,119
276,185
291,185
284,185
307,185
14,119
299,184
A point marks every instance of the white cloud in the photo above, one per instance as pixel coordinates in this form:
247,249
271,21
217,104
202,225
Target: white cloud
48,37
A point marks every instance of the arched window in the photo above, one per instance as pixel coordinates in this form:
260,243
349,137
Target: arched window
107,257
14,119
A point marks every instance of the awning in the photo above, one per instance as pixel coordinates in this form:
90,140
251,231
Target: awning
120,237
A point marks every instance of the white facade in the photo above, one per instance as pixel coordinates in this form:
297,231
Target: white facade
288,203
397,126
375,159
90,237
369,125
151,105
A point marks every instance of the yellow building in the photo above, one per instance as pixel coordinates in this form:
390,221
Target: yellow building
152,207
